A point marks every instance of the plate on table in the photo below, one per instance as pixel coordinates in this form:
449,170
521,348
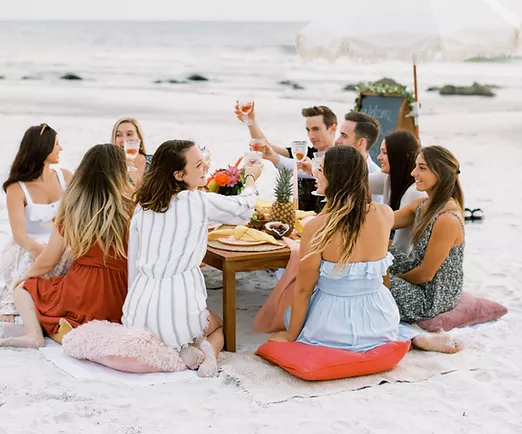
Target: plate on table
214,226
231,241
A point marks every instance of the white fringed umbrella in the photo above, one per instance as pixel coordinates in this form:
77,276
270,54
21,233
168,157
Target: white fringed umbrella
414,31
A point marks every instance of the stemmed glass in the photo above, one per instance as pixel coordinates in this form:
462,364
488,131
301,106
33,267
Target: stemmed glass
245,107
299,149
316,166
251,158
206,155
131,147
258,145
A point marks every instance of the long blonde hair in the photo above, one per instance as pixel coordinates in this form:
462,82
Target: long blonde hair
138,130
348,195
96,205
446,168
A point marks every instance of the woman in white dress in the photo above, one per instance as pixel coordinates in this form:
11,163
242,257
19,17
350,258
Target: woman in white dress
34,190
168,241
398,152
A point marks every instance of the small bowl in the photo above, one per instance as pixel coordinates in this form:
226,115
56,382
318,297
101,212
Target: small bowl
277,229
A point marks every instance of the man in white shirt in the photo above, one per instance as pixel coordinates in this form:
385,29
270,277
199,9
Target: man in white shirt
360,131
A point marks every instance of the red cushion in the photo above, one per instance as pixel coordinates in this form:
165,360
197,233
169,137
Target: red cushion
469,310
321,363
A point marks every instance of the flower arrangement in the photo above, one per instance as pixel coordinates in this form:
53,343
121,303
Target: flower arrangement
384,89
228,182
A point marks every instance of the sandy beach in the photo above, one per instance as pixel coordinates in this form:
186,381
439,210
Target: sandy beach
483,397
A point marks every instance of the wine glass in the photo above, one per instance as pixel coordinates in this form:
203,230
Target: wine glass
258,145
131,147
206,155
299,149
245,107
251,158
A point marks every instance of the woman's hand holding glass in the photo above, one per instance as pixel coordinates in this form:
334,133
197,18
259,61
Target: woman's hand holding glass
244,111
132,148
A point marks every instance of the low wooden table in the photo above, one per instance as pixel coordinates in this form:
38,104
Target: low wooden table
232,262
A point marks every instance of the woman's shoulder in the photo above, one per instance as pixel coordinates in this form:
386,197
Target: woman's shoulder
15,190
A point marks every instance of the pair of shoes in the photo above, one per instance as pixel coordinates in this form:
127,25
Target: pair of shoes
473,214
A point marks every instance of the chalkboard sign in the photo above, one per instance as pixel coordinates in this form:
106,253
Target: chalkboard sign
390,111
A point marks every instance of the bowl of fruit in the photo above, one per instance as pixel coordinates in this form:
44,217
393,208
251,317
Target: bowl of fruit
277,229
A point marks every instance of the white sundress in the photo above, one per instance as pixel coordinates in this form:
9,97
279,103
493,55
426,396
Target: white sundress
167,293
16,260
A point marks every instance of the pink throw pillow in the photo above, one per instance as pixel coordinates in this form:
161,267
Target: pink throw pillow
470,310
126,349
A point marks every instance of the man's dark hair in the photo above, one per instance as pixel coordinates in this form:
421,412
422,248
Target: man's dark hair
367,127
328,115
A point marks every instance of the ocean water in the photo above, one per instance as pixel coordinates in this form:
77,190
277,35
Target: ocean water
120,61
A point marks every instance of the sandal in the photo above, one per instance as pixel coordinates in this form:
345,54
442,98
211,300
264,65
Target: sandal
477,214
468,214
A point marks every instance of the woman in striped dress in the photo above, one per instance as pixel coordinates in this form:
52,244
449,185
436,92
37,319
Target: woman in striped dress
168,241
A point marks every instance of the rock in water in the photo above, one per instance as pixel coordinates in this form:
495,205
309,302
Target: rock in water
475,89
197,77
70,76
292,84
351,87
170,81
386,82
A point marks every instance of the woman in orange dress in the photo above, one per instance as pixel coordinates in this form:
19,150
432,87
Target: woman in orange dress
93,222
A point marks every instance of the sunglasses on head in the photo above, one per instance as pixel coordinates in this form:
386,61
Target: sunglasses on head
44,126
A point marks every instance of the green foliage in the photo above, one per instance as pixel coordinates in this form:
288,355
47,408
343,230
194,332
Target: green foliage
385,89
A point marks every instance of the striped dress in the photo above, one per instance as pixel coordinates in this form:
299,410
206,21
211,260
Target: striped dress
167,292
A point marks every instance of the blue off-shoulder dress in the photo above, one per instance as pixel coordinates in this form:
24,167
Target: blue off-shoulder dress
351,309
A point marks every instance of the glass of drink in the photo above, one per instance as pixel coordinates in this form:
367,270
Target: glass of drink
251,158
132,148
206,155
245,107
299,149
258,145
319,154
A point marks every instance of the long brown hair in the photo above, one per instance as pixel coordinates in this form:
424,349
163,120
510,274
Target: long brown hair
446,168
402,148
137,125
159,185
96,204
348,195
36,145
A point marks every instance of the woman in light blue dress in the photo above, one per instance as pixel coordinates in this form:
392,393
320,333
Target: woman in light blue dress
339,298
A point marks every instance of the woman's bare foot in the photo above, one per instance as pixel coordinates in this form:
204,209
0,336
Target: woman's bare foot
7,318
25,341
192,357
209,367
440,342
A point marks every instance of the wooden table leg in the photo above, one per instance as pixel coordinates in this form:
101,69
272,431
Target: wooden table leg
229,307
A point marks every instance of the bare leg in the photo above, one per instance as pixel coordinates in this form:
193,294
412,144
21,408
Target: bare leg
440,342
7,318
33,336
211,347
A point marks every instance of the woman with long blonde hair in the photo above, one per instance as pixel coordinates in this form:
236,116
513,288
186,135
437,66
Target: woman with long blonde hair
129,129
429,281
93,222
339,298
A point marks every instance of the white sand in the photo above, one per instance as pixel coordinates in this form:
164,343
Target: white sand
35,396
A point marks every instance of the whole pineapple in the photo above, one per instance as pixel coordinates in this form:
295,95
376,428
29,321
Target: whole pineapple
283,208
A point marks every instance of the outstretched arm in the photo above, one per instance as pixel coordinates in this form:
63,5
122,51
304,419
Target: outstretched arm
255,130
405,217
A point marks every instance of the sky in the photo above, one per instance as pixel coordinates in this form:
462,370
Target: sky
248,10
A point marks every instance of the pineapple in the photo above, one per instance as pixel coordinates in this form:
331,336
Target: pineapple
283,208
